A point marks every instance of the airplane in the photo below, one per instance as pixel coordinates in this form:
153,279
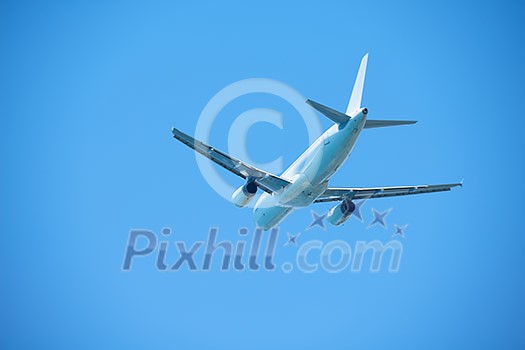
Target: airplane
306,180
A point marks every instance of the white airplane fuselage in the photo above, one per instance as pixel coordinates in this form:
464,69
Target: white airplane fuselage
310,173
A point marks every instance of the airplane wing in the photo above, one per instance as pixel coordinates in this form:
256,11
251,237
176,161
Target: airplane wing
264,180
338,194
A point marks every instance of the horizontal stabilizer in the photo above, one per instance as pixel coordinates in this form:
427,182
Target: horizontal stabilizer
383,123
332,114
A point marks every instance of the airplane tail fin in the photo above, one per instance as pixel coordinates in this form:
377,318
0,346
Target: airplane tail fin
354,105
357,92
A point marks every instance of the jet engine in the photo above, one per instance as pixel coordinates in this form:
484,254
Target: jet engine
341,212
244,194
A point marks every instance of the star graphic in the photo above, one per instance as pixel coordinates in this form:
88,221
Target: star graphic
318,220
357,210
292,239
400,230
379,218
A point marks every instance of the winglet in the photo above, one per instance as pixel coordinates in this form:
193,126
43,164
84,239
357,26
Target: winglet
357,92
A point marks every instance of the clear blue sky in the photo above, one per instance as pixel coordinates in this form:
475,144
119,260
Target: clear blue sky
89,91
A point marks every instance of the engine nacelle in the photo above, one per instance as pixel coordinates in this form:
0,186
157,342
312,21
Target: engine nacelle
341,212
244,194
